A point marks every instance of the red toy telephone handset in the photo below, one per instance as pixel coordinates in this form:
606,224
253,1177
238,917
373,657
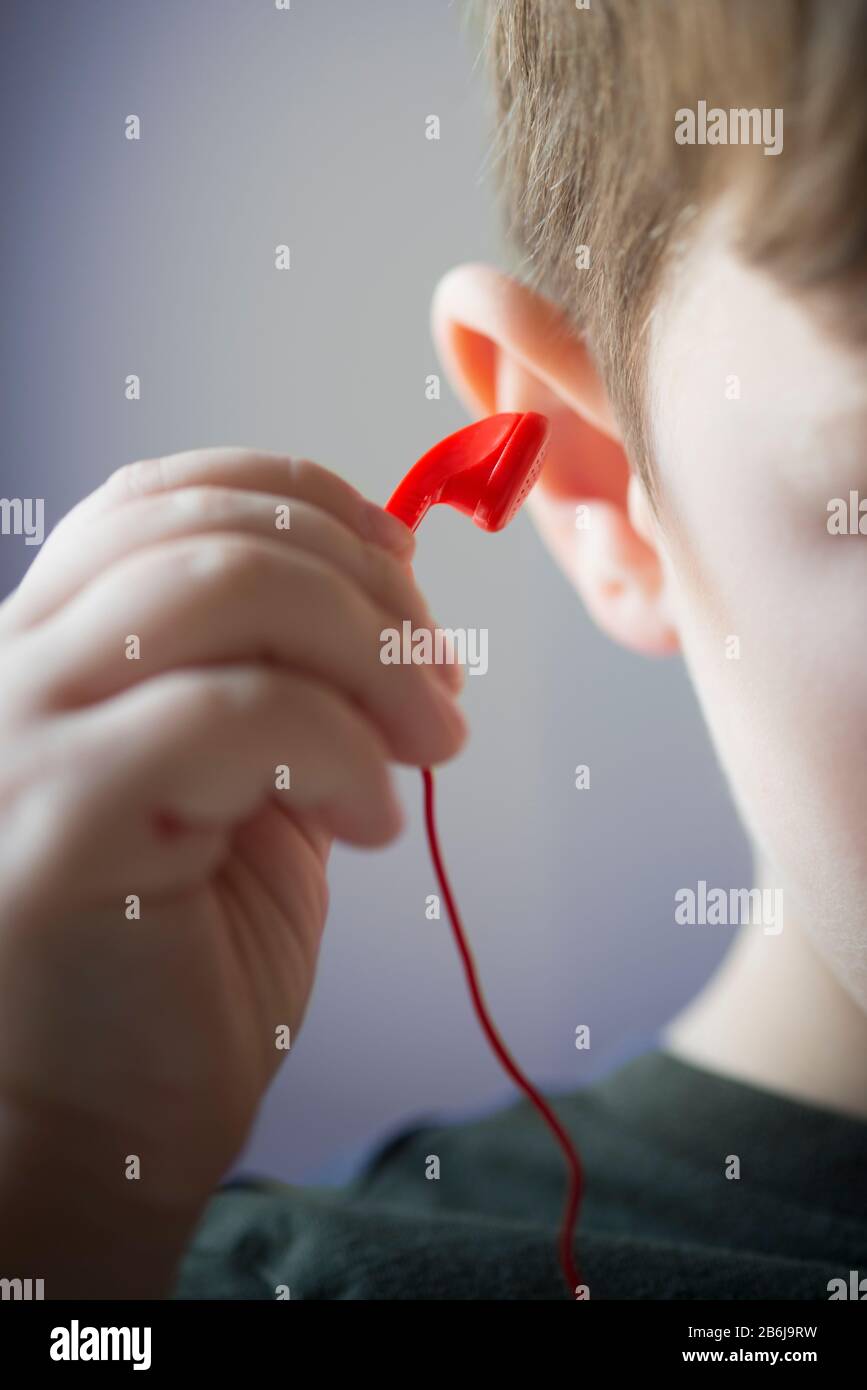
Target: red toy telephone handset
486,470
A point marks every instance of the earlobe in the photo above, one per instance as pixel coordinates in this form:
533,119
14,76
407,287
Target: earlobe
508,349
617,574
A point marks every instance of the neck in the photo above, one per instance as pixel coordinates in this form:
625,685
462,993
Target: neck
776,1017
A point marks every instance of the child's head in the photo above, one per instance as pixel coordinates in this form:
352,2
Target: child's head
693,318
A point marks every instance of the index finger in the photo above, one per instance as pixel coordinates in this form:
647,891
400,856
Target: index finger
249,471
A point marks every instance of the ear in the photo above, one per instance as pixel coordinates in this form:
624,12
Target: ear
507,348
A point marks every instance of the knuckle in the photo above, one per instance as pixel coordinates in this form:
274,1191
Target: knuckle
386,575
223,695
136,479
200,506
395,586
20,765
305,474
373,770
366,747
359,745
44,813
226,563
322,585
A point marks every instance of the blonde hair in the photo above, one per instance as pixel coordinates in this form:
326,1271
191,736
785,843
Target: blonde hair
586,155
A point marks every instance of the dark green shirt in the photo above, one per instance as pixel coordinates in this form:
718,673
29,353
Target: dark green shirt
660,1217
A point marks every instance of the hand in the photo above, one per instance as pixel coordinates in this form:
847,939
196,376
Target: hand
141,777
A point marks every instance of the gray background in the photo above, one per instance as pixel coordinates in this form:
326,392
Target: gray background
156,257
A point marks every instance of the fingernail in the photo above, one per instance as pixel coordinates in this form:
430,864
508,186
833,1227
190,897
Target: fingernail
386,530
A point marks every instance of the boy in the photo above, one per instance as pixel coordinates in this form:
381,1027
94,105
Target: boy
696,333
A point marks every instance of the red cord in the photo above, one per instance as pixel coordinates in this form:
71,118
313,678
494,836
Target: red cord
573,1201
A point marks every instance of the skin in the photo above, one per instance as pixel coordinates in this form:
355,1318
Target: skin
156,777
258,648
739,546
